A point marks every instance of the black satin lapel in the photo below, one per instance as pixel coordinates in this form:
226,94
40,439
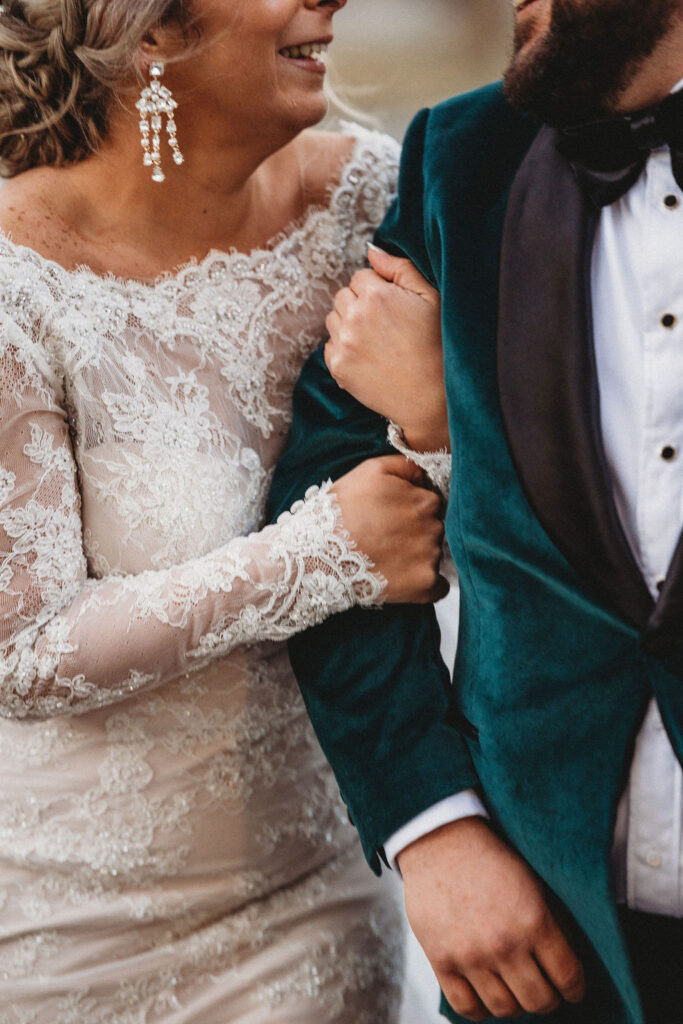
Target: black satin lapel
548,380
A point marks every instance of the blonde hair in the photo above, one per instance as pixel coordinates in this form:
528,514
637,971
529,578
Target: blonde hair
62,64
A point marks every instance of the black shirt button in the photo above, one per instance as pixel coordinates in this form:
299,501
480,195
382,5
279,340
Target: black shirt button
660,585
672,202
668,453
668,320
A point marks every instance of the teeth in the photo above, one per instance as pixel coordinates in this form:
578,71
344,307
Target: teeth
316,50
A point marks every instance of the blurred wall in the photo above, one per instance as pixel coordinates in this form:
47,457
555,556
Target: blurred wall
391,57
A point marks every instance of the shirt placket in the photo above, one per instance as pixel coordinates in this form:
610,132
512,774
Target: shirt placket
655,858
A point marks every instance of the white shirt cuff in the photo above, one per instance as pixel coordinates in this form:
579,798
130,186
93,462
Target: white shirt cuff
462,805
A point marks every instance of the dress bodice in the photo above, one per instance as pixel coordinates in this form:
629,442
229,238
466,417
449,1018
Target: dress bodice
168,818
160,411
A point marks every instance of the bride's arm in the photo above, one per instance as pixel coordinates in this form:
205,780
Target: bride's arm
69,643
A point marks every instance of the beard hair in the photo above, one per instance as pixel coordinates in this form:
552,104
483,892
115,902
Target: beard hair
586,58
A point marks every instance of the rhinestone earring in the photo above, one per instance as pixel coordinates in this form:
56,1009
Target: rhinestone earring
156,99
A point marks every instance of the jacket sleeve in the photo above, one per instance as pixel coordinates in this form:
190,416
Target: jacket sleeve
375,685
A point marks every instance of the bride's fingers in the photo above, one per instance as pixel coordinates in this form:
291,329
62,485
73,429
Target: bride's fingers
333,322
331,355
363,281
344,302
402,272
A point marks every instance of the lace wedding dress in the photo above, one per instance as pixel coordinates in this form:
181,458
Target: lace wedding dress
172,844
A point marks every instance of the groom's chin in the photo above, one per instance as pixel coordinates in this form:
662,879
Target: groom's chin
542,77
529,73
573,59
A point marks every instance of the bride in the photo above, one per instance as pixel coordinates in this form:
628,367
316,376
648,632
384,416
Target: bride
172,845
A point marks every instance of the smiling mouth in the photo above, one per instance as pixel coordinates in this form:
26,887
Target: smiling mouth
307,54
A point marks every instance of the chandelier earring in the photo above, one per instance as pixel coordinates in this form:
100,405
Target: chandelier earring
156,101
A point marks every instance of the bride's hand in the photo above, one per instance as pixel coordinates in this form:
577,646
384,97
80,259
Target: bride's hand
385,348
397,522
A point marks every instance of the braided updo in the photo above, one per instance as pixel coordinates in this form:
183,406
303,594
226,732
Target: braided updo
62,63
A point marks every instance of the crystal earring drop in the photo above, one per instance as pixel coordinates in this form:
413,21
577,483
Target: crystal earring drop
155,101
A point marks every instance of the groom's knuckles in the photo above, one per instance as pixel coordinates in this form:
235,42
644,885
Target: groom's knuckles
566,974
462,997
532,989
496,996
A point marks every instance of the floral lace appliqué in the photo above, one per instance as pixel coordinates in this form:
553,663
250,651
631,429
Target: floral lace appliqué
169,826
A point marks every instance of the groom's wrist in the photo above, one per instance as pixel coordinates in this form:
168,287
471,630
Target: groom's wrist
465,804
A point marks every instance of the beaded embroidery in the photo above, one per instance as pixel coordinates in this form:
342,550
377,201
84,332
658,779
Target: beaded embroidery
168,825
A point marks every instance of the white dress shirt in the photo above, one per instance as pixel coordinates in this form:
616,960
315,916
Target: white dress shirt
637,278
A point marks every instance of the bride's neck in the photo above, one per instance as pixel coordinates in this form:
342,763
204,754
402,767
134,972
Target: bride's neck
223,196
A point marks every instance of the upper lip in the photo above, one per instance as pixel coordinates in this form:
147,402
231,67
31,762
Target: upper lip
325,41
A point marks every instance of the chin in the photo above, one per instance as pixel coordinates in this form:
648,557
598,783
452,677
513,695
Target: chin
298,117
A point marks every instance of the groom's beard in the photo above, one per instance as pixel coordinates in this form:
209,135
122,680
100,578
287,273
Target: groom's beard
586,57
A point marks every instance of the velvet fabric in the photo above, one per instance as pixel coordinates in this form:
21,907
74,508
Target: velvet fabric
554,667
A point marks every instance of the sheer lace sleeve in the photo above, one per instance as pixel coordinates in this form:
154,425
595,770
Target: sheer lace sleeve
437,465
68,643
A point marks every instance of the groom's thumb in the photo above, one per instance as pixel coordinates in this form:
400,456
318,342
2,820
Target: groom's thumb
400,271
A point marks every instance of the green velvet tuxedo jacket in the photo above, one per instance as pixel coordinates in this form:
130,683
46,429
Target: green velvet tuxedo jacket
561,645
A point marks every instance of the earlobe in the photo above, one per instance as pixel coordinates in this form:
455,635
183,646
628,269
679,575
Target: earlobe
157,44
148,51
149,44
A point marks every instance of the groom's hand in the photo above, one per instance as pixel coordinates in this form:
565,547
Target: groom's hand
479,913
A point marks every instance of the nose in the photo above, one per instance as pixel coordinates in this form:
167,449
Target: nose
332,5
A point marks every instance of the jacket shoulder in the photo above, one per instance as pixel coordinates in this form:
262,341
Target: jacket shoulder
483,113
459,161
477,140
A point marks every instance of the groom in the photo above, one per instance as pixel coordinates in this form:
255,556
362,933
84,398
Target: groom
536,807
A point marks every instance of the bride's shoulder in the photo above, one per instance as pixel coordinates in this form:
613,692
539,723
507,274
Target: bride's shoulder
354,155
31,217
22,208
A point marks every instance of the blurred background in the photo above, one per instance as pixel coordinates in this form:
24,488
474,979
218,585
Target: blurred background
389,59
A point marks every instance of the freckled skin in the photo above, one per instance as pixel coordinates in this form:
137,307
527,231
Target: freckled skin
248,172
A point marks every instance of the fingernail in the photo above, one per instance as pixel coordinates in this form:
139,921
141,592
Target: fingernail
376,248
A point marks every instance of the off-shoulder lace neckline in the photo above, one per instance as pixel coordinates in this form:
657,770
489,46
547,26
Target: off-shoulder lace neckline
301,227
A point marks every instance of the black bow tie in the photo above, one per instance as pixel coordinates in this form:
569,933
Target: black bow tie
608,157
